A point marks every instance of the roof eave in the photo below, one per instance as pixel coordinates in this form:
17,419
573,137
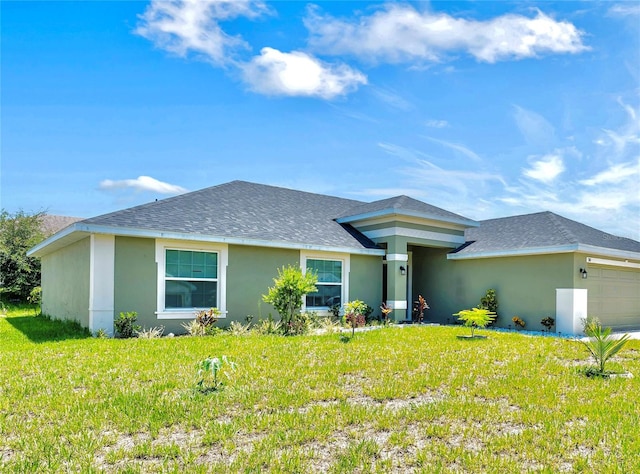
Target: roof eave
546,251
80,230
408,213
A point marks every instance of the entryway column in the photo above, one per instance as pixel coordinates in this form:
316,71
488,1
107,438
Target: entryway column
397,270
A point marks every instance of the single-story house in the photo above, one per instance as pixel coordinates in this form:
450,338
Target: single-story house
222,246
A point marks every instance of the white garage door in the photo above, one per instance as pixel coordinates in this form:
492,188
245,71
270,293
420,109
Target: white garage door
614,296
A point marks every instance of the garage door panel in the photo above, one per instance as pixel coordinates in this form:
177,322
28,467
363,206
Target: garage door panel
614,296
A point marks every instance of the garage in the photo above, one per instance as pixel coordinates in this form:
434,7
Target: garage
614,293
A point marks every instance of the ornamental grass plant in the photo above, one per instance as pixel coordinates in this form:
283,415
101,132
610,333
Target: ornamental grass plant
397,399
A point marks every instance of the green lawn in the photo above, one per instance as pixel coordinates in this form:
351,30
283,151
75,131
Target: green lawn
414,399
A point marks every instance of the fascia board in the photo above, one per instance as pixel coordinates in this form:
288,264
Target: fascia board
86,229
513,252
395,212
546,250
60,239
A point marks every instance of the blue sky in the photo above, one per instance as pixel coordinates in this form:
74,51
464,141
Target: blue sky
487,109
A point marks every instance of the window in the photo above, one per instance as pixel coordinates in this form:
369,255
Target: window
191,279
330,273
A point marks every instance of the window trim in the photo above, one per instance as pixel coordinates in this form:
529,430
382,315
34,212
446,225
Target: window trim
345,258
188,313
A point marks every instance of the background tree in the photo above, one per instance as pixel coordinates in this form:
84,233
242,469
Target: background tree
19,274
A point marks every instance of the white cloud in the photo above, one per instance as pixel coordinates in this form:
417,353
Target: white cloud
400,33
142,183
299,74
623,10
535,129
615,174
546,169
457,148
436,123
192,26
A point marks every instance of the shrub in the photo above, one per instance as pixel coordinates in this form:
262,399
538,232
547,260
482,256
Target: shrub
355,314
335,311
125,324
601,344
419,308
490,302
236,328
288,292
301,323
548,322
518,322
204,324
35,297
101,334
385,312
208,317
151,333
268,326
194,328
475,318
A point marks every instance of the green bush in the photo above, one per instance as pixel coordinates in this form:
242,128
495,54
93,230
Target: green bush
288,292
125,324
475,318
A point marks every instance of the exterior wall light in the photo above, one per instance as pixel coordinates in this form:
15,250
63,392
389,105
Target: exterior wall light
583,273
403,271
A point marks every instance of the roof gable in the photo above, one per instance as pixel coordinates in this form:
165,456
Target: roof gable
404,206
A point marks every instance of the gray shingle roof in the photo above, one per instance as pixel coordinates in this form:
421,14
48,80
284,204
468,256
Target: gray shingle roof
405,205
538,231
246,210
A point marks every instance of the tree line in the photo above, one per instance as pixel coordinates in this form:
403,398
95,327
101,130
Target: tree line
19,274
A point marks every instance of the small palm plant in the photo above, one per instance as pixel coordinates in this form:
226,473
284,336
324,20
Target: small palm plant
475,318
602,345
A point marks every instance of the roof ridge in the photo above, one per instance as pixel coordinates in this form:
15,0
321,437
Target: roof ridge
558,222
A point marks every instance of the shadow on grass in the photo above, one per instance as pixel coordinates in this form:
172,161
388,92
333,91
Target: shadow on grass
45,329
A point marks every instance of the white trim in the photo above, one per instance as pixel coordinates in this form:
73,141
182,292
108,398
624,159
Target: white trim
189,313
49,246
546,250
397,257
612,263
101,282
415,233
397,304
392,214
345,258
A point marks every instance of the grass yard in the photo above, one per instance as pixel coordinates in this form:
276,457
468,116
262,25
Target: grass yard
414,399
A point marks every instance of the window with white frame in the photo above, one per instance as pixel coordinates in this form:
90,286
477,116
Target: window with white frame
190,279
330,282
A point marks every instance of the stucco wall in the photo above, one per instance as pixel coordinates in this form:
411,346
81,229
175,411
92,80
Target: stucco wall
250,273
135,286
525,286
65,282
365,281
